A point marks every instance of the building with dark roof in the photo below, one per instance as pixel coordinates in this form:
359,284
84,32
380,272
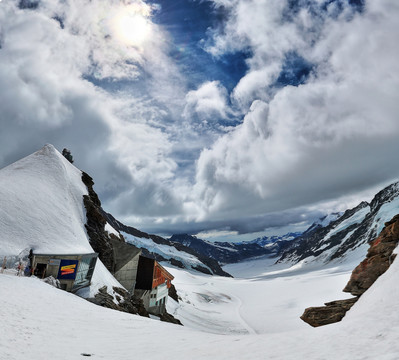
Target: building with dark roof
126,258
152,285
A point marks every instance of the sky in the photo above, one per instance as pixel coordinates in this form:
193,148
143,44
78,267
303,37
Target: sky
230,117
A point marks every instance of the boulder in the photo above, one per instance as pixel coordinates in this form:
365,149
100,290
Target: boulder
331,313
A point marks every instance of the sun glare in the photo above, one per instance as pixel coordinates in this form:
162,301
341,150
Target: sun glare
130,25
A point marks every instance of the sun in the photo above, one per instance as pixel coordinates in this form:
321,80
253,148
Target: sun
131,25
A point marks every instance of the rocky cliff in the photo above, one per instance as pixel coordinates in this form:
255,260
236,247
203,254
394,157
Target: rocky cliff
95,225
379,257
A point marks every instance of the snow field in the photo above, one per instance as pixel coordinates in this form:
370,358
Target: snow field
39,321
268,303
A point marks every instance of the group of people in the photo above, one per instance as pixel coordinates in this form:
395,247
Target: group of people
23,268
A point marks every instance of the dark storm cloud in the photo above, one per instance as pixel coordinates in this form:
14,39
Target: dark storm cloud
240,225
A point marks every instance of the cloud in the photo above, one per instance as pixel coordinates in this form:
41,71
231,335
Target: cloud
168,157
208,102
332,135
47,56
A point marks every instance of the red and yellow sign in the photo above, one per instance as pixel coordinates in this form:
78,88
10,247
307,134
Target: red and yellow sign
67,270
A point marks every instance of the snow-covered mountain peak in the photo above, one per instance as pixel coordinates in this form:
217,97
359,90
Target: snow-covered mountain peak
41,197
349,234
384,196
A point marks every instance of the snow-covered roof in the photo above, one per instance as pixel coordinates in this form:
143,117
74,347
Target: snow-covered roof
41,199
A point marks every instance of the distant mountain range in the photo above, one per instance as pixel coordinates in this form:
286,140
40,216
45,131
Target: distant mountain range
162,249
349,234
228,252
335,237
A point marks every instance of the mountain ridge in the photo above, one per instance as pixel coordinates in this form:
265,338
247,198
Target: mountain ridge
231,252
348,233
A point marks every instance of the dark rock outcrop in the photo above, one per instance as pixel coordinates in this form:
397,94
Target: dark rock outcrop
379,258
126,302
95,225
331,313
172,292
166,317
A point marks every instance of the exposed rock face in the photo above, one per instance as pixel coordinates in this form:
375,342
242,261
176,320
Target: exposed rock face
211,263
223,252
95,225
379,258
166,317
172,292
331,313
127,303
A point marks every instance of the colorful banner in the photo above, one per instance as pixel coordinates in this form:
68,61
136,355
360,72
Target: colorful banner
68,269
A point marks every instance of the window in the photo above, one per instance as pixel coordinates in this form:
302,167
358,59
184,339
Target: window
85,271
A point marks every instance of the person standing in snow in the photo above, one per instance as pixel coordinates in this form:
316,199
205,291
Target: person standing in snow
27,270
20,268
4,264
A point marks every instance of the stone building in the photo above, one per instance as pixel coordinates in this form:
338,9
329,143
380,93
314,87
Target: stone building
152,285
126,258
74,271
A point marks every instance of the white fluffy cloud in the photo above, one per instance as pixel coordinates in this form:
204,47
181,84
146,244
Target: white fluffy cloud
208,102
45,57
96,76
331,136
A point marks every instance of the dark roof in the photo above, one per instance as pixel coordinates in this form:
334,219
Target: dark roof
55,254
123,253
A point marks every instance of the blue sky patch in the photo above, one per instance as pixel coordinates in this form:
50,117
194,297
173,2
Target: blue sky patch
188,22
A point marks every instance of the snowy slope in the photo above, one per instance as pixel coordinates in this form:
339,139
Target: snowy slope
268,301
39,321
41,199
